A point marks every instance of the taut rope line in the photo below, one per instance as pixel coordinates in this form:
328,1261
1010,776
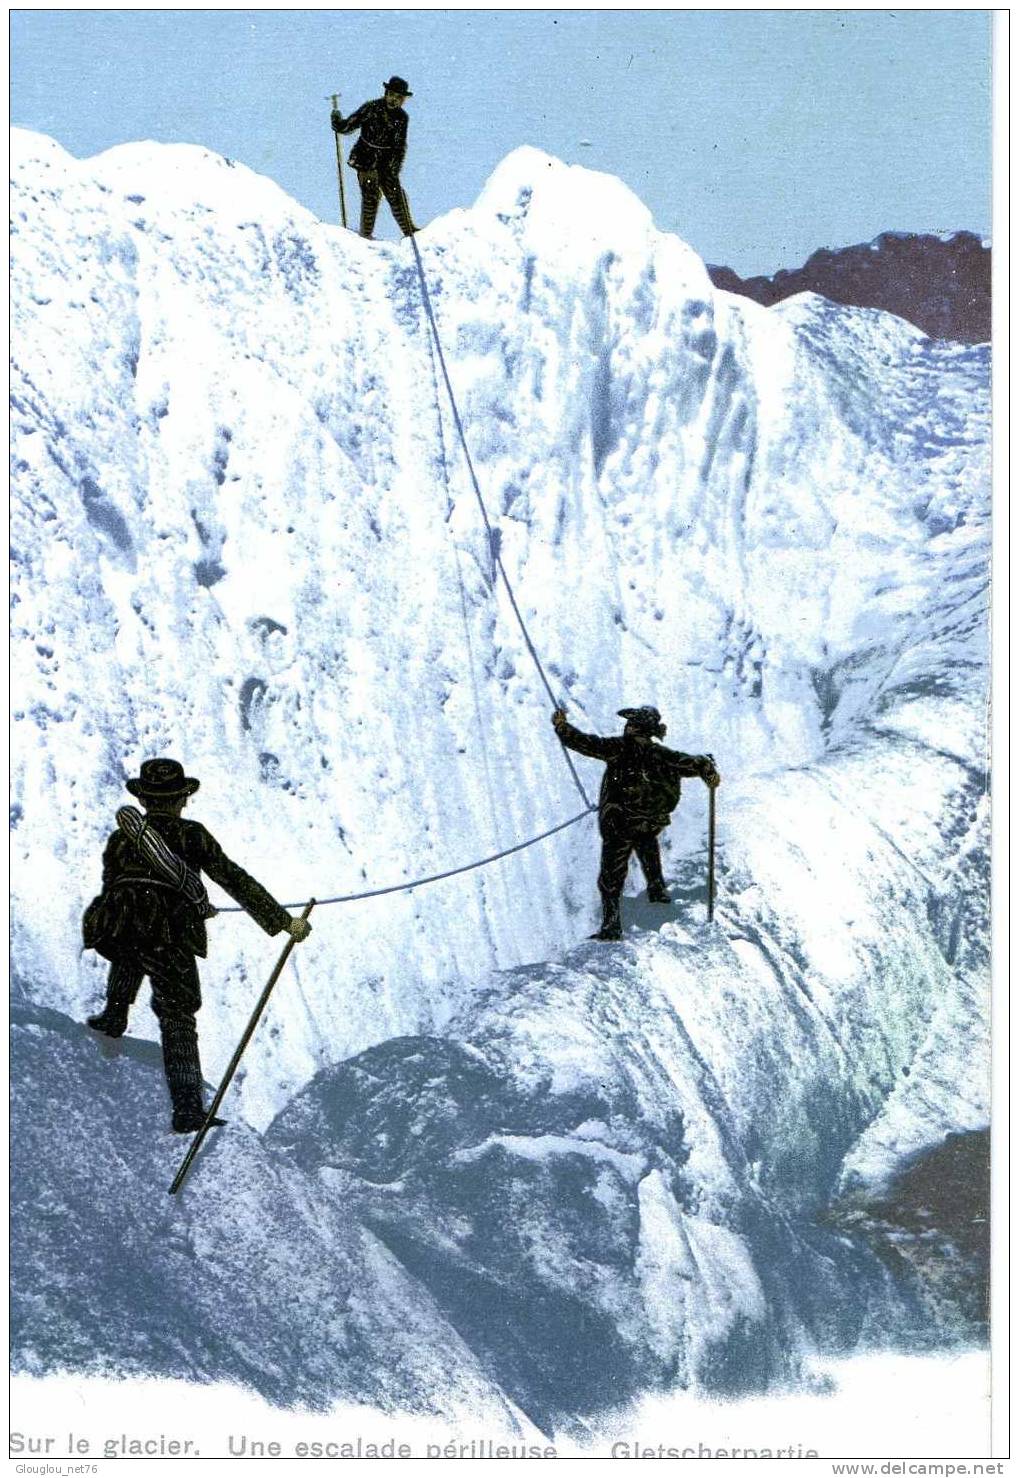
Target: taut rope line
434,877
493,546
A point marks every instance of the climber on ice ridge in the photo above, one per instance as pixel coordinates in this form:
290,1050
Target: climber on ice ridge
639,792
379,153
150,917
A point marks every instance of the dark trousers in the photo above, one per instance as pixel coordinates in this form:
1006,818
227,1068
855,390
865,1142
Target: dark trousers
374,184
618,843
176,996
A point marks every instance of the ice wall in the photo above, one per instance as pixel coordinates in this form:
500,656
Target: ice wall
243,535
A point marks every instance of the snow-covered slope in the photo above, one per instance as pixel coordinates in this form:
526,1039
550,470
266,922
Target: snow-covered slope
115,1277
244,535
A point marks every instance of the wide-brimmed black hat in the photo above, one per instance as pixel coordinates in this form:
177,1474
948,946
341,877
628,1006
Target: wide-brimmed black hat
646,718
398,84
161,779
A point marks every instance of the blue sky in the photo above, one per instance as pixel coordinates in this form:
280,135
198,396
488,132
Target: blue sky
757,136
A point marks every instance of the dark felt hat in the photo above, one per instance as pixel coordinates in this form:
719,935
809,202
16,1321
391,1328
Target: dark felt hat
398,84
647,718
161,779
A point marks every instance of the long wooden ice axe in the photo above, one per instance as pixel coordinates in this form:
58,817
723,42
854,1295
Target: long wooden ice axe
263,999
711,847
335,98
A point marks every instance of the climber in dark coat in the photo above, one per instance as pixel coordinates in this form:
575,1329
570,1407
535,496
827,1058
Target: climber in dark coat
144,925
379,152
640,790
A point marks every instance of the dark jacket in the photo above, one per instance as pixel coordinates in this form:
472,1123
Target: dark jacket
137,909
641,785
383,141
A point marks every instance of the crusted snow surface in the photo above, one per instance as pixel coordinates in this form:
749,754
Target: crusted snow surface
246,1275
244,535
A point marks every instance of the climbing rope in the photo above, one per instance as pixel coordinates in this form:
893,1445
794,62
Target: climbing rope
490,789
434,877
588,806
493,544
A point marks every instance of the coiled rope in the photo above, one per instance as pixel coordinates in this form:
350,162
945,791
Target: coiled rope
453,872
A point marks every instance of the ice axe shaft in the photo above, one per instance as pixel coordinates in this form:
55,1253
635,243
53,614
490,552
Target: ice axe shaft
339,163
711,848
263,999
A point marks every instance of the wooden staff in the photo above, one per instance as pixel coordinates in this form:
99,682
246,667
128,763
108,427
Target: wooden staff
339,164
711,847
196,1143
711,854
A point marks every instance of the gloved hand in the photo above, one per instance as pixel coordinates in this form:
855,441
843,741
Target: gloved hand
559,719
709,774
336,119
298,929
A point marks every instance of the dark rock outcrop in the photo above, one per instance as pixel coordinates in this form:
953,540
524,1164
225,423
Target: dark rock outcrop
940,283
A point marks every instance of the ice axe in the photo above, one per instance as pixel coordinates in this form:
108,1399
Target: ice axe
711,847
339,163
196,1143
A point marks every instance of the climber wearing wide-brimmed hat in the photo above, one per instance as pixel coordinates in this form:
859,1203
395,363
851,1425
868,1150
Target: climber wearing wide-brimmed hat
150,917
379,153
639,791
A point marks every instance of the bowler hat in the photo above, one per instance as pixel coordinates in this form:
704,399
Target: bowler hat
161,779
398,84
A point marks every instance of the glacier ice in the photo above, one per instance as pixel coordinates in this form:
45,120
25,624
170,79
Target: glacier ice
243,534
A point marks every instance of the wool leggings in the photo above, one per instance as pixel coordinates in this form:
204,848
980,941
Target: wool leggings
176,996
617,845
374,184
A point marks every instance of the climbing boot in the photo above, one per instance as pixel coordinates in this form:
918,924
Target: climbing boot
121,989
658,893
111,1022
611,927
185,1121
